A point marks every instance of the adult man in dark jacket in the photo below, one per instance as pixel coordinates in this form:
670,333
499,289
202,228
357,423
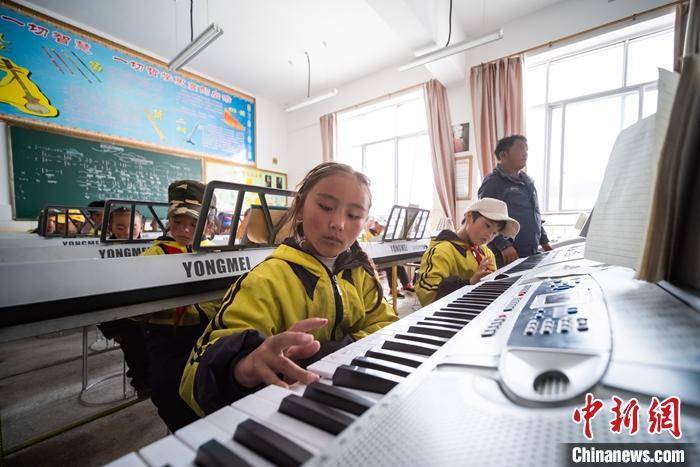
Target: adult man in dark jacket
510,184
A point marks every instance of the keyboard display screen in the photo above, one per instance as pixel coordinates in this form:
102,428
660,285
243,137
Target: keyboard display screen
558,298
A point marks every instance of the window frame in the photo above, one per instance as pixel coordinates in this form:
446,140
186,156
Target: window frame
395,139
549,107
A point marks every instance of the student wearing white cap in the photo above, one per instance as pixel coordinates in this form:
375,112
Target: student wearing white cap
455,259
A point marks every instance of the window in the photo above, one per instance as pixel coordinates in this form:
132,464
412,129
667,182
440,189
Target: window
577,101
388,142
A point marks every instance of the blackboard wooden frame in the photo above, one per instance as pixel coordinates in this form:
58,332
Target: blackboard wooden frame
94,135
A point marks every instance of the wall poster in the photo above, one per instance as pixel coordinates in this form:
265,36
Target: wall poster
62,78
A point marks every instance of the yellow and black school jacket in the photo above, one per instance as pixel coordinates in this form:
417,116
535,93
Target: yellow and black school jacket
290,285
447,256
199,313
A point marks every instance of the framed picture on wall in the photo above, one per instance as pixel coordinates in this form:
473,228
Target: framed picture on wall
463,176
460,135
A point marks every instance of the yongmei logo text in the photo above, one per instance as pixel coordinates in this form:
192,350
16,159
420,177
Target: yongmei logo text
213,267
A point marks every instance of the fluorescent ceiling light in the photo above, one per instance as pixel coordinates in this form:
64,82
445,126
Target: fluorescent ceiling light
451,50
200,43
312,100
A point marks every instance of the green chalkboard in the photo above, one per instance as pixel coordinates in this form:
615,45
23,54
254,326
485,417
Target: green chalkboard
48,168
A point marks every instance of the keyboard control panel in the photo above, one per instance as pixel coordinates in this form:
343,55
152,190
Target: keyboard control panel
564,313
559,345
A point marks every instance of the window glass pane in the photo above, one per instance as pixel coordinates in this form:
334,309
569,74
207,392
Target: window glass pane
415,172
588,140
554,160
350,131
649,101
379,167
535,144
352,157
586,73
630,109
379,125
535,85
411,117
646,54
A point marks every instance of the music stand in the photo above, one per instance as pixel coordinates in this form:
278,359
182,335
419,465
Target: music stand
405,223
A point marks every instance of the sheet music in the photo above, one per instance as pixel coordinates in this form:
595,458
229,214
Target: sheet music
668,83
620,220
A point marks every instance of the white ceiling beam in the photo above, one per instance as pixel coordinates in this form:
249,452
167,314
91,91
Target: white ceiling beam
423,27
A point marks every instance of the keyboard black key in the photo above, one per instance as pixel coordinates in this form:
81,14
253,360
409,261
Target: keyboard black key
443,325
381,365
485,294
422,339
270,444
456,327
393,358
451,314
430,331
408,347
316,414
338,397
454,322
364,378
214,454
464,311
478,301
467,306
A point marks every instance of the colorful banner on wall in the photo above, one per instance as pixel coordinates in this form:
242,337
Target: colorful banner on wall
67,79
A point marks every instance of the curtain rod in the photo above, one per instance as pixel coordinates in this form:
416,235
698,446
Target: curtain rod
632,17
378,99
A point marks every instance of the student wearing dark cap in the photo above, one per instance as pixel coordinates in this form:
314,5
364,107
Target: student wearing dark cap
171,334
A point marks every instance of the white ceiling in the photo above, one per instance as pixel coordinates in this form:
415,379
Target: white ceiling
261,37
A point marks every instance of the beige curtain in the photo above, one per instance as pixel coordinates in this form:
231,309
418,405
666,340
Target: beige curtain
329,130
440,134
497,106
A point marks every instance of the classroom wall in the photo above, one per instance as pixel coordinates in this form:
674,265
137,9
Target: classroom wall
554,22
270,121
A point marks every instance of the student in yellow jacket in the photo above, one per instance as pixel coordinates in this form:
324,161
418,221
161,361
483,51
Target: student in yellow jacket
455,259
316,293
171,334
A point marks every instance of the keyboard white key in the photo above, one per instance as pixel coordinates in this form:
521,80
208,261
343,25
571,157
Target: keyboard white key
197,433
324,368
370,395
277,395
399,356
130,460
228,419
267,413
168,450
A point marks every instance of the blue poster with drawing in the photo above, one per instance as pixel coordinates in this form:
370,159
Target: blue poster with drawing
66,79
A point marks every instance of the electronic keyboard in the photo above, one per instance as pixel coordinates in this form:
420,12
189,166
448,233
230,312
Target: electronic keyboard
33,291
489,374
